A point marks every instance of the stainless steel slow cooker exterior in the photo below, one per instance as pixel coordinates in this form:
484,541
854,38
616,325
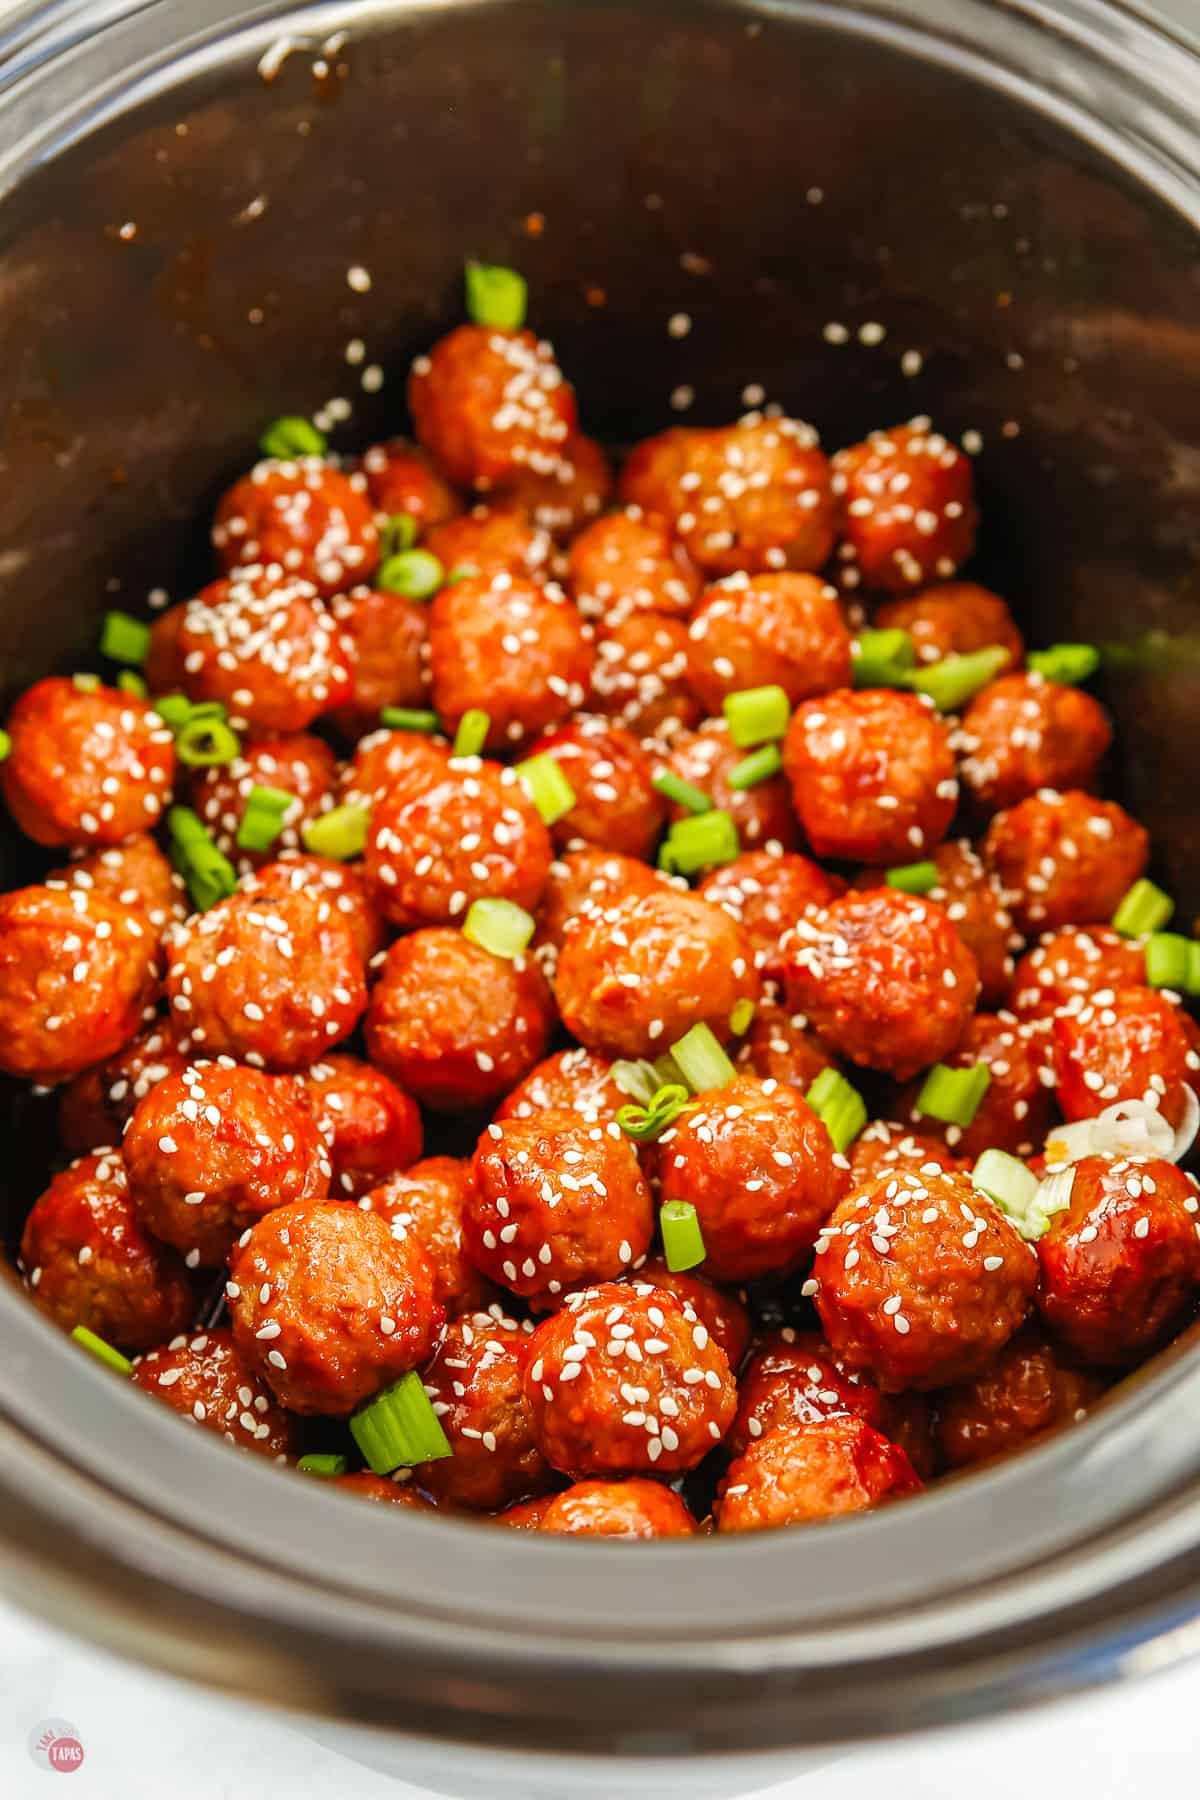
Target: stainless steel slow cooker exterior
1014,193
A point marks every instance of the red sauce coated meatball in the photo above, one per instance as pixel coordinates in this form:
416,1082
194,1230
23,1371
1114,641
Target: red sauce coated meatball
385,637
626,1380
371,1127
401,479
766,894
512,648
1066,966
527,1515
640,676
616,806
310,519
205,1378
493,540
919,1280
562,499
793,1378
387,761
1133,1044
569,1081
907,507
822,1470
727,1320
474,1384
629,562
583,884
95,1107
298,764
1023,733
87,766
1028,1391
780,1047
885,1147
953,619
427,1200
87,1260
135,873
635,1508
1065,859
975,905
489,404
706,759
388,1490
872,775
1015,1112
329,1305
782,630
339,885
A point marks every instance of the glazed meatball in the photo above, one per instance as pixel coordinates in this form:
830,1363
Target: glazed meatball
1131,1044
884,1147
1028,1391
489,404
298,764
766,894
391,1490
757,1164
906,508
953,619
626,1380
310,519
793,1378
569,1081
616,805
273,980
401,479
629,562
1015,1112
706,759
527,1515
919,1280
385,637
975,904
371,1127
87,766
727,1320
635,1508
872,775
780,1047
330,883
453,1024
329,1305
209,1150
585,883
473,834
556,1200
474,1382
135,873
387,761
490,541
511,648
884,979
640,674
1065,859
1120,1265
754,631
206,1378
564,498
87,1260
1068,965
427,1201
76,976
633,977
96,1106
1023,733
822,1470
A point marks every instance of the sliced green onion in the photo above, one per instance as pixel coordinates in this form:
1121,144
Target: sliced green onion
86,682
292,436
543,780
637,1079
1006,1180
742,1017
683,1240
913,878
702,842
472,732
500,926
124,639
956,678
839,1106
340,834
702,1062
399,533
495,296
399,1427
645,1123
883,658
673,787
408,718
1169,961
209,875
414,573
757,715
206,743
102,1351
173,709
954,1095
323,1464
1143,908
1193,978
760,765
1068,664
667,1071
5,746
460,572
262,821
130,682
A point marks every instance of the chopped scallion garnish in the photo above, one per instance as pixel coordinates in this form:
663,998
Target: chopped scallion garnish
639,1080
86,682
206,743
124,639
680,792
883,658
262,821
543,780
5,746
646,1123
408,718
292,436
1007,1181
500,926
742,1017
130,682
759,766
414,573
757,715
399,1428
703,841
1068,664
701,1060
209,875
1143,908
954,1095
340,834
683,1240
839,1106
913,878
102,1351
956,678
399,533
323,1464
472,732
496,296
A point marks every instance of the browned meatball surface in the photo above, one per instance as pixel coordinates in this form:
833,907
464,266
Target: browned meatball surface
561,499
906,508
1066,966
385,637
297,764
822,1470
1028,1391
782,630
474,1384
628,561
87,766
766,893
569,1081
206,1378
707,759
779,1046
634,1508
611,776
640,675
95,1107
135,873
1133,1044
341,886
402,479
953,619
1023,733
794,1378
1065,859
727,1320
885,1146
427,1200
492,540
372,1128
488,404
1017,1108
306,517
509,647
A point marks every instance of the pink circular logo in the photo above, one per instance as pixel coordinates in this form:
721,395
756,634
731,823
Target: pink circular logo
54,1744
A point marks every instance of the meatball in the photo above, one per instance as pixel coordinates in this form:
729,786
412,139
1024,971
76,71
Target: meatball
427,1201
386,761
556,1200
629,562
391,1490
757,1164
211,1149
975,904
872,775
1016,1110
1027,1391
793,1378
885,1147
584,883
633,977
884,978
725,1317
511,648
273,980
953,619
95,1107
137,874
336,884
453,1024
76,975
329,1305
564,498
527,1515
1065,859
310,519
780,1047
385,637
635,1508
87,1260
474,1382
640,674
206,1378
569,1081
616,805
86,766
919,1280
298,764
766,894
473,834
626,1380
1121,1264
1131,1044
371,1127
780,630
1068,965
401,479
707,758
490,541
1023,733
490,404
906,508
822,1470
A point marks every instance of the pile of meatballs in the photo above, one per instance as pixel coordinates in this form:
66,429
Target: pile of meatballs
250,1091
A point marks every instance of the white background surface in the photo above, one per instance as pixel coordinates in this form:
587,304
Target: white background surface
147,1738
